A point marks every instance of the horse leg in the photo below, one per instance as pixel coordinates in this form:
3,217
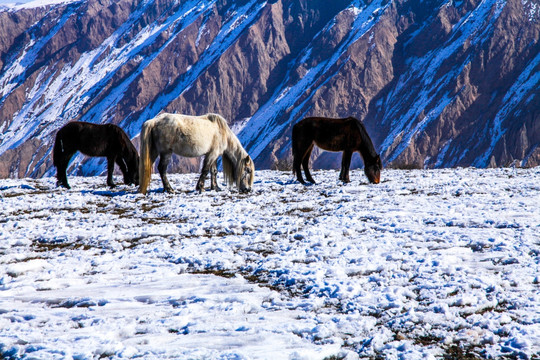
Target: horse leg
297,162
164,160
61,168
213,178
204,172
345,166
305,164
209,164
297,170
110,170
123,167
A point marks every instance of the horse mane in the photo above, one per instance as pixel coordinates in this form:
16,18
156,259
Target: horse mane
129,149
235,153
366,140
229,170
220,121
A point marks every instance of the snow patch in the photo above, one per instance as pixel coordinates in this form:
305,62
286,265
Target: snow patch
445,257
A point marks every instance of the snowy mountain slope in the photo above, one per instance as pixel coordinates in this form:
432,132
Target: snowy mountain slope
452,83
437,83
428,264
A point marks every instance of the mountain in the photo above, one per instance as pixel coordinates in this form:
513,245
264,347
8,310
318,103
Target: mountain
437,83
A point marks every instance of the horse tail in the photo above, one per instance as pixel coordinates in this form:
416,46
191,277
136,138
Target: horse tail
58,149
294,145
145,163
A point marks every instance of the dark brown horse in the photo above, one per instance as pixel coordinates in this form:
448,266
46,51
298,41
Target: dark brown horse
106,140
347,135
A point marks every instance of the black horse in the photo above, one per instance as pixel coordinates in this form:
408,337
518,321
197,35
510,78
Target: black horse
347,135
106,140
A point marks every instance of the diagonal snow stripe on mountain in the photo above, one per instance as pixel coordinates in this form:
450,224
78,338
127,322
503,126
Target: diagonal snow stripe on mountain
229,34
117,57
15,75
271,131
470,28
467,29
186,15
262,128
527,80
19,129
412,131
424,100
65,95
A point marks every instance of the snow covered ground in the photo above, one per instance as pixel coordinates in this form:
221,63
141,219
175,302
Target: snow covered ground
424,265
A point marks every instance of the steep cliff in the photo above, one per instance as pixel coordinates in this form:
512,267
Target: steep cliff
437,83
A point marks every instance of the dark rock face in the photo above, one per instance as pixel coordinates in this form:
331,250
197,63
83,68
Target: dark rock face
437,83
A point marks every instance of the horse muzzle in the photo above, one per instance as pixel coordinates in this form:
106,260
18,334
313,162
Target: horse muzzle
374,179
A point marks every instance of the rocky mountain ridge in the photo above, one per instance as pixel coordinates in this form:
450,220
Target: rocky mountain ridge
437,83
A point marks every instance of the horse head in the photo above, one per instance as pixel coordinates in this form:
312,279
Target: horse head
373,170
246,175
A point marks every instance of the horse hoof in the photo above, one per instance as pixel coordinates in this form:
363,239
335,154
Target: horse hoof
65,185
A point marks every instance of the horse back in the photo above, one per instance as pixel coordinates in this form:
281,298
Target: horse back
189,136
91,139
328,133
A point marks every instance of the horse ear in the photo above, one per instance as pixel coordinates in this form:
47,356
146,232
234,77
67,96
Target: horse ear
247,160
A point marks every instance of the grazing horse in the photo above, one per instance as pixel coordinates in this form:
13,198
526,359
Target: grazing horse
193,136
347,135
106,140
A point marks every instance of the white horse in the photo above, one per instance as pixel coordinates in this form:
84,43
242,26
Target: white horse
193,136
